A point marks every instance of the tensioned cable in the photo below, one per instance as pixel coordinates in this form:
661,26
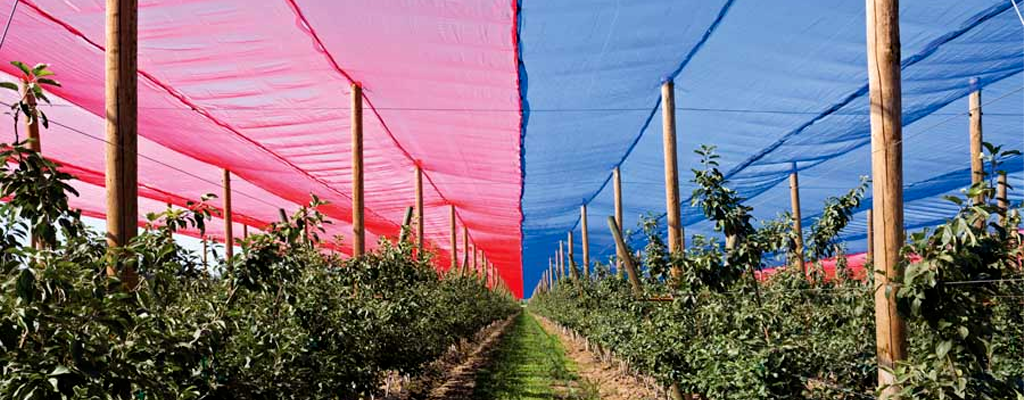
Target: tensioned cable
10,18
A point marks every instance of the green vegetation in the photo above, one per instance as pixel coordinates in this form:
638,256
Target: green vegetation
726,335
530,364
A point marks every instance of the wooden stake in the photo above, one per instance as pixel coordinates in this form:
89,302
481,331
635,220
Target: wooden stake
977,164
465,249
1002,201
121,111
245,231
617,177
870,257
229,236
586,241
794,199
454,238
406,222
358,224
572,259
419,209
634,280
668,117
883,48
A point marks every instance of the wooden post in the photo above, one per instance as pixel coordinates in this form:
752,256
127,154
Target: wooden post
358,227
586,241
475,267
668,118
794,199
229,236
634,280
551,272
561,261
454,238
121,111
977,164
419,209
245,231
1002,201
617,177
205,252
883,48
572,259
870,256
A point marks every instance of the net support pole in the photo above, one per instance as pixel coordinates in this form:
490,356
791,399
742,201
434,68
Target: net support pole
883,54
668,119
551,272
358,223
465,250
561,260
121,111
794,199
585,237
419,209
454,238
977,163
631,272
229,237
617,181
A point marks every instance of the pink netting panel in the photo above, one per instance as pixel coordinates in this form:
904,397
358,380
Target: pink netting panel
262,88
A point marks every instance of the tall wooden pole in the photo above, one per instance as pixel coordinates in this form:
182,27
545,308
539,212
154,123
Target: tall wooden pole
870,256
475,266
245,231
634,279
798,233
586,241
229,236
561,259
121,111
454,237
419,209
883,48
1002,201
668,117
617,177
551,271
977,164
358,227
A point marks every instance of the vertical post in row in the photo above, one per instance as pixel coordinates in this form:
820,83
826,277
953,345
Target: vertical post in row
668,117
454,238
883,48
794,199
229,236
475,266
551,272
121,111
245,231
586,241
358,227
561,261
617,178
419,209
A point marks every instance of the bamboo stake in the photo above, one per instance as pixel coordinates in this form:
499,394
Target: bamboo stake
627,262
419,209
617,176
668,115
1002,201
586,242
870,257
572,260
121,111
358,223
229,236
883,50
454,238
794,199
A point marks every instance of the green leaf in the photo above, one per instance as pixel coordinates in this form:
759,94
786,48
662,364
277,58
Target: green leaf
48,81
24,68
11,86
943,348
60,370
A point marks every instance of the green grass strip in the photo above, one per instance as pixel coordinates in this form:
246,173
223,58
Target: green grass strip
530,364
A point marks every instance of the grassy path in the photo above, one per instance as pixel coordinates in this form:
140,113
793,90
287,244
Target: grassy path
530,364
